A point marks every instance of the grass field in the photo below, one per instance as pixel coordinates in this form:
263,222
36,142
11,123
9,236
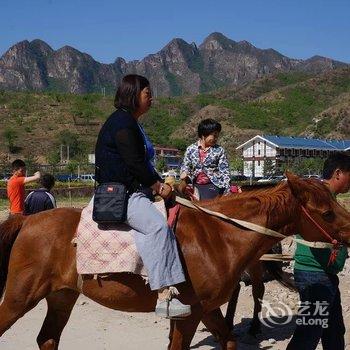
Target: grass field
77,202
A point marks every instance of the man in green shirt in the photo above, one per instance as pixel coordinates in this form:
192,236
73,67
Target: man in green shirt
320,313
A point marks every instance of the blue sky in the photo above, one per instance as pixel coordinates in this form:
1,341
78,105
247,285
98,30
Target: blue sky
107,29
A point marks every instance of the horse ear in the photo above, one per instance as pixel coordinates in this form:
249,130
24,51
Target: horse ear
297,186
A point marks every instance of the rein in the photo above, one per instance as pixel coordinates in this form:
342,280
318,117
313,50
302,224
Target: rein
249,225
335,244
266,231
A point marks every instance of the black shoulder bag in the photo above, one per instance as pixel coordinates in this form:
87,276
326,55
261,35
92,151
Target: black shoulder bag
110,203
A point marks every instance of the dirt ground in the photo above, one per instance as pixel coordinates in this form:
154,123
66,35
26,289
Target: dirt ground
94,327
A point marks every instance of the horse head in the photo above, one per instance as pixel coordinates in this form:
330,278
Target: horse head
321,217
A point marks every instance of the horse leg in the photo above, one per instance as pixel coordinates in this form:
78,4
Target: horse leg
183,331
258,290
217,325
59,308
231,307
23,291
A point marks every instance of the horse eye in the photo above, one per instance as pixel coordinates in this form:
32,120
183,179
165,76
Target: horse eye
328,216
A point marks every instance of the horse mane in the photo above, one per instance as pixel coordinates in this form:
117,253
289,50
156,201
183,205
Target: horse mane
270,198
274,200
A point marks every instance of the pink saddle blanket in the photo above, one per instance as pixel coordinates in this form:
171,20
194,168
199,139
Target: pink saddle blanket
107,251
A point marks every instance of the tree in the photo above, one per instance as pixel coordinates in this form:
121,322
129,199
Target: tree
53,158
269,167
72,166
31,162
161,164
236,164
68,138
10,136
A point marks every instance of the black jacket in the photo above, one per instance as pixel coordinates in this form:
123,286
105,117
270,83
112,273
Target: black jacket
120,153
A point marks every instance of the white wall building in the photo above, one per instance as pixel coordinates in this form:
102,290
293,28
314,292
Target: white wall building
280,149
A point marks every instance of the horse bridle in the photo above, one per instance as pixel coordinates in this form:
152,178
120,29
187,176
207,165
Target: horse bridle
336,245
320,228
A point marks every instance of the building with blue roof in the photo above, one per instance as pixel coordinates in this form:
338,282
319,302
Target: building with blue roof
282,149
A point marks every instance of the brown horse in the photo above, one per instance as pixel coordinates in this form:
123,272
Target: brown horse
38,259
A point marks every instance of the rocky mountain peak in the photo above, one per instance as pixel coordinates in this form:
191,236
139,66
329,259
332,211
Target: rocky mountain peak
178,68
216,41
41,47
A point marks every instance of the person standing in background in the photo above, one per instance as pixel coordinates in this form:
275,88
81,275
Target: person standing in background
205,162
41,199
15,186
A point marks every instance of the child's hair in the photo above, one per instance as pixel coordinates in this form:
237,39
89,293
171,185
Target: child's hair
207,127
17,164
335,161
47,181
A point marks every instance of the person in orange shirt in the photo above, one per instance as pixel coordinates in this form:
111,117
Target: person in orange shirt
15,186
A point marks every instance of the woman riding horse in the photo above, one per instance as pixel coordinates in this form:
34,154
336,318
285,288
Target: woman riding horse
125,154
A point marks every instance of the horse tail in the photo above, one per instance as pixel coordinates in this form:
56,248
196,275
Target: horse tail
9,230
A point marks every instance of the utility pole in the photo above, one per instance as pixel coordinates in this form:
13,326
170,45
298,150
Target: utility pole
61,153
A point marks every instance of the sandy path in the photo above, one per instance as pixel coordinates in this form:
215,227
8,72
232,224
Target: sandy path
93,327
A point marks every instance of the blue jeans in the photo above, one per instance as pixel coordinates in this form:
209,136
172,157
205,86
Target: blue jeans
155,242
314,324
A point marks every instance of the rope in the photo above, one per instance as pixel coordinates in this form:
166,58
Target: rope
277,257
250,226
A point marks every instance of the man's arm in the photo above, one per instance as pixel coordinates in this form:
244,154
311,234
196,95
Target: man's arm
35,177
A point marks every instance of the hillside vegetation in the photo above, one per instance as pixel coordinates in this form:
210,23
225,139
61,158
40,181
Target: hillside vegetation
34,125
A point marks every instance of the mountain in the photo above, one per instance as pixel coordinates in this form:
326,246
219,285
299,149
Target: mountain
177,69
35,124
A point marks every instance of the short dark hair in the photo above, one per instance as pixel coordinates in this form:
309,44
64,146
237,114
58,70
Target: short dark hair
17,164
208,126
129,91
335,161
47,181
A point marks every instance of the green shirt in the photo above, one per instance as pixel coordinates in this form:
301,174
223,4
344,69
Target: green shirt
316,259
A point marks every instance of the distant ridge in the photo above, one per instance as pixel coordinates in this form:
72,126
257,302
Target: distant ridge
179,68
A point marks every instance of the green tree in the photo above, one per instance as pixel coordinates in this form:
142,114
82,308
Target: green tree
31,162
10,136
68,138
269,167
160,164
53,158
72,166
236,164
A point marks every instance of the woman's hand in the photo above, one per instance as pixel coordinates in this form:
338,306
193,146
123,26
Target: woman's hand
162,189
183,175
166,191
